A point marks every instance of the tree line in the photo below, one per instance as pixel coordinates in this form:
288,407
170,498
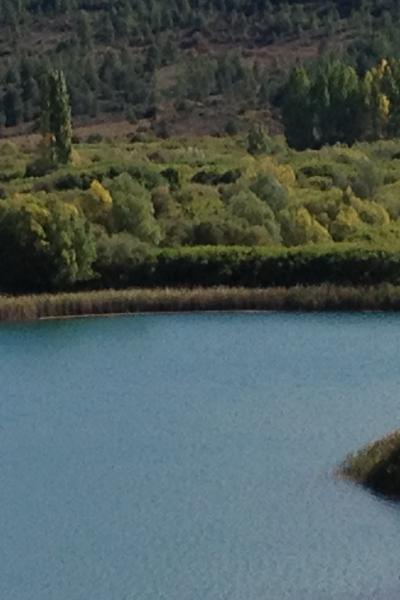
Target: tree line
333,103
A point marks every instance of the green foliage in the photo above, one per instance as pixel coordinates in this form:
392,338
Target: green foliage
333,103
322,107
127,57
266,267
368,179
299,227
56,118
132,209
138,200
247,206
297,110
44,243
117,255
257,141
271,191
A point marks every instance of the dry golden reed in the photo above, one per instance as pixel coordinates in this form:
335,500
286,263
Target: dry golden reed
136,300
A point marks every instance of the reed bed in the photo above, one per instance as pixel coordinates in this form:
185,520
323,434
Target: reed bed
377,466
138,300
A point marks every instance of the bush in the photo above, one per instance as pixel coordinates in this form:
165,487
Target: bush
268,189
132,209
94,138
51,237
72,181
39,168
339,264
173,178
368,180
213,178
258,141
119,255
232,127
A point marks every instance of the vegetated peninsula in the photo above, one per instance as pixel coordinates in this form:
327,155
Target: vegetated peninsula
377,466
242,145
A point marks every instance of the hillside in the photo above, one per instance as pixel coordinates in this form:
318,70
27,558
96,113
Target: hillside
184,66
123,213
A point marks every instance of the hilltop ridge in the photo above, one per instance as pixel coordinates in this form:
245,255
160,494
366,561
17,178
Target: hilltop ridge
186,66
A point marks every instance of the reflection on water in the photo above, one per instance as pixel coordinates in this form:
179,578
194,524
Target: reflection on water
190,457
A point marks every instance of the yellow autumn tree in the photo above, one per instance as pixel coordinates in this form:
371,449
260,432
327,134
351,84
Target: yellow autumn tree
100,192
377,102
300,227
346,223
97,202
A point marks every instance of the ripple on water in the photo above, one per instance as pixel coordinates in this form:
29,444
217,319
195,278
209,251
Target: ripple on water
190,457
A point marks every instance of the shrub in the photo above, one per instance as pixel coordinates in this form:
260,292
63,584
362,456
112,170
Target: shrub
214,178
173,178
268,189
258,141
232,127
50,236
118,256
94,138
132,209
72,181
339,264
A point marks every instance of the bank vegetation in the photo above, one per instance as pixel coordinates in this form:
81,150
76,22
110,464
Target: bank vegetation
377,466
144,300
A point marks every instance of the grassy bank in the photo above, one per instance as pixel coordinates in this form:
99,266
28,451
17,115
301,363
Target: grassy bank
311,298
377,466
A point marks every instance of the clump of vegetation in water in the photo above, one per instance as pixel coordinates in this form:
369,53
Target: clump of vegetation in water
377,466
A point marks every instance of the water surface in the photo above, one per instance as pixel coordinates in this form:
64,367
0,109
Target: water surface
190,457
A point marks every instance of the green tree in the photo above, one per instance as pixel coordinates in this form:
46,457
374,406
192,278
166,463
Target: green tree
84,30
271,191
254,212
56,119
336,103
12,106
296,110
299,227
132,209
258,141
376,89
44,243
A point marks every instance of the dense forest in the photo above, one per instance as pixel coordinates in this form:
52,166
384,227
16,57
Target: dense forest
181,60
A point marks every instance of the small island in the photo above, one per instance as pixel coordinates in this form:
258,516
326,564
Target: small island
377,466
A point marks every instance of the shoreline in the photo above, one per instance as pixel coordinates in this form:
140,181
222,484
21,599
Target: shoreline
112,302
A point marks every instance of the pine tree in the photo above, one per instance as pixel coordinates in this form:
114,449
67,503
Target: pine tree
12,106
56,119
84,30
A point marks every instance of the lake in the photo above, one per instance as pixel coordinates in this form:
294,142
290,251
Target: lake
191,457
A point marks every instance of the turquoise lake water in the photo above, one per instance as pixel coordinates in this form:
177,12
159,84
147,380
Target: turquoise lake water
190,457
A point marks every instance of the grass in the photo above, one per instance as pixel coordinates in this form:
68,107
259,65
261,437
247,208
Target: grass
377,466
135,300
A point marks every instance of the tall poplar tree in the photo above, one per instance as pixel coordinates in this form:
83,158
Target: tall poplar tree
56,118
